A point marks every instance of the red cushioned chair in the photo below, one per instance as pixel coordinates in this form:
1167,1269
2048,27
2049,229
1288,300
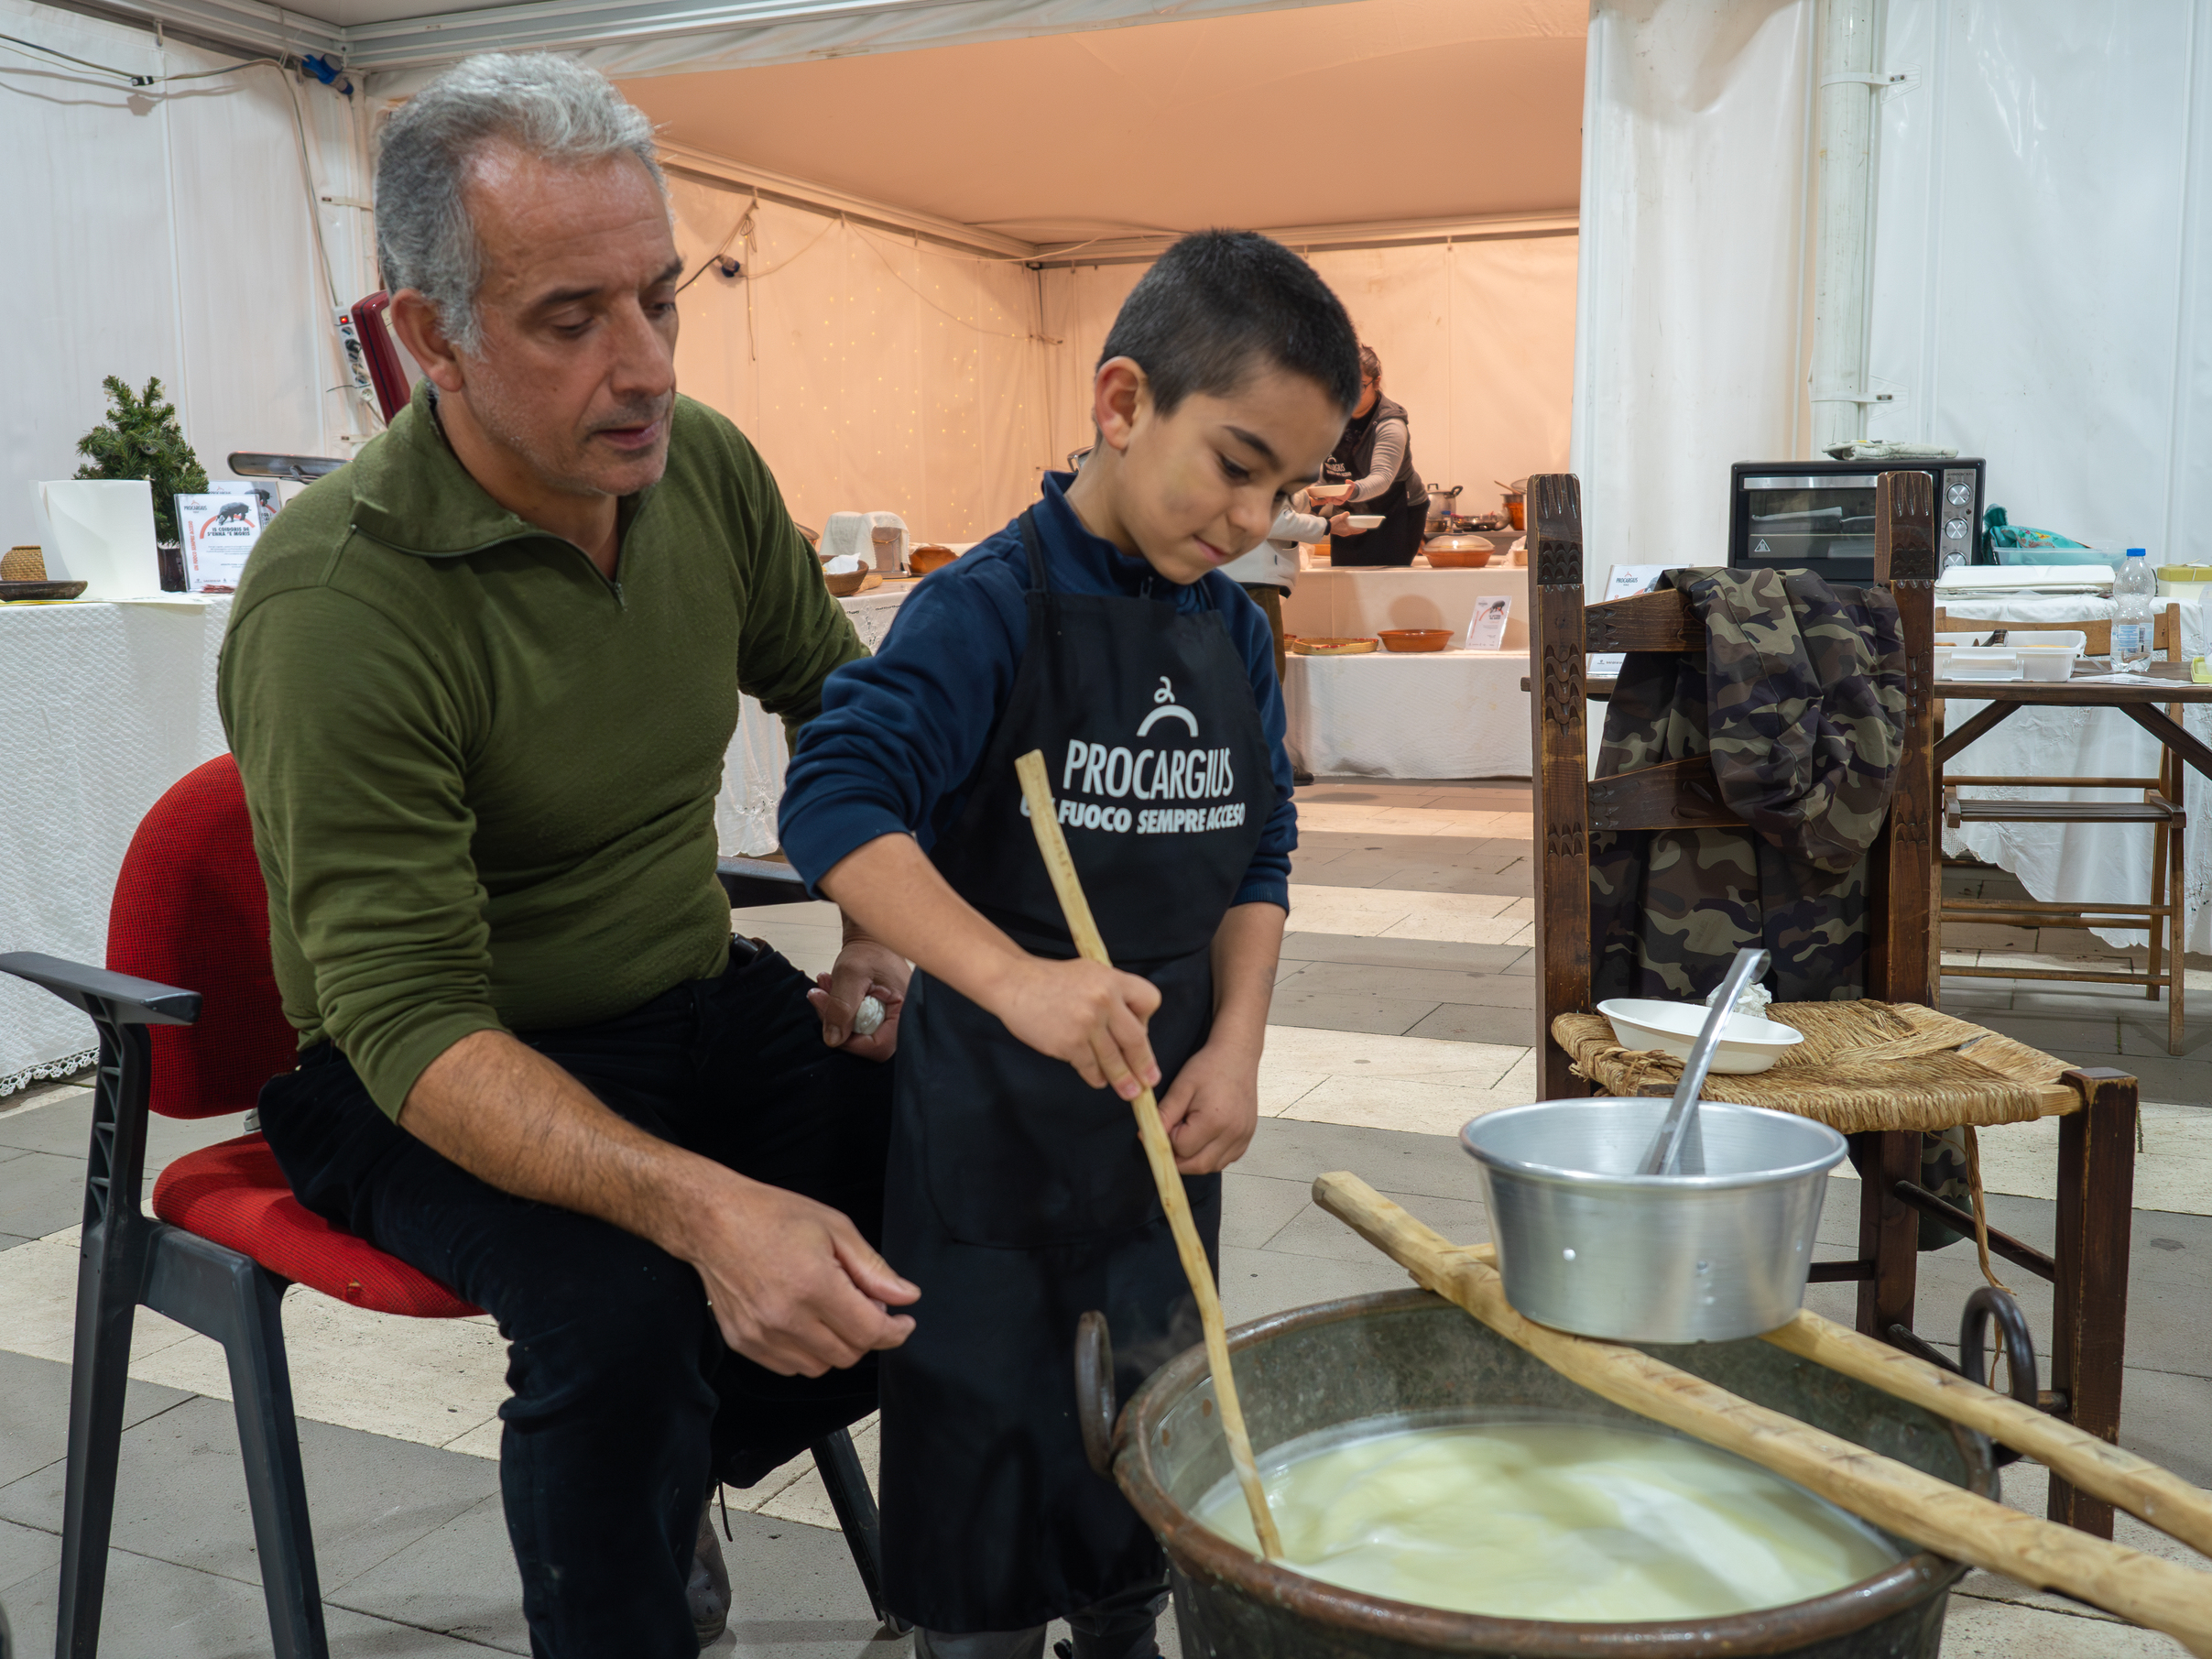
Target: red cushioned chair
190,910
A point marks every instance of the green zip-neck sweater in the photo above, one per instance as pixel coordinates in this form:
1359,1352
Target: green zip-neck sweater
483,776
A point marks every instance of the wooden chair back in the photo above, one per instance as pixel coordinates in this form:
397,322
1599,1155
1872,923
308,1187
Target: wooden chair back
1683,794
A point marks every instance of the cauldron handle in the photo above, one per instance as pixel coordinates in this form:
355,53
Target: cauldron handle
1094,1391
1986,1303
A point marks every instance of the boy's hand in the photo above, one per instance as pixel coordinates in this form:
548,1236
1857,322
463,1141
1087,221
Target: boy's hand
1341,525
1211,1112
864,968
1088,1014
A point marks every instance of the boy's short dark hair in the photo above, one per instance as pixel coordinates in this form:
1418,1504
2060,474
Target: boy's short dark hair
1218,299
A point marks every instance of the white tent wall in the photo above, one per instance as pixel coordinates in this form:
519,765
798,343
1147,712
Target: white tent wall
164,231
2042,237
1692,331
1476,339
873,372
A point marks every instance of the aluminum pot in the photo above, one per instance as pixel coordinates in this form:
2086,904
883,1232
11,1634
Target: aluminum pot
1407,1352
1440,503
1587,1245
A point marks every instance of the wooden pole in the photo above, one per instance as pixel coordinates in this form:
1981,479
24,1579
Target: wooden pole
2103,1470
1901,1499
1160,1152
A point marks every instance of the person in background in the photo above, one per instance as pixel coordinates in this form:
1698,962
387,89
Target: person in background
1269,570
1375,458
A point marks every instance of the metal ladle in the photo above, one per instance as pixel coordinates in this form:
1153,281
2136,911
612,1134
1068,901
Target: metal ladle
1680,1122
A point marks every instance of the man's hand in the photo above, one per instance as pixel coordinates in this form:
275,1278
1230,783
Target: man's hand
864,968
1211,1112
794,1286
1086,1013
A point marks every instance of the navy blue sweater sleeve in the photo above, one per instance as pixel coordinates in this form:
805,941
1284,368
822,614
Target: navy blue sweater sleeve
1267,877
901,733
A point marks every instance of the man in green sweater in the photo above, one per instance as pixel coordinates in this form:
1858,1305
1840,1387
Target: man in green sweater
479,685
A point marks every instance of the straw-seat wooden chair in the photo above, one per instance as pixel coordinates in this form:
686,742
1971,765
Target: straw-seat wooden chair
1884,1105
2158,803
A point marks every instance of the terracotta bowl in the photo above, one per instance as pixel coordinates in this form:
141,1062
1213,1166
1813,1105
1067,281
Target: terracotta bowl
1416,638
846,584
928,556
1457,558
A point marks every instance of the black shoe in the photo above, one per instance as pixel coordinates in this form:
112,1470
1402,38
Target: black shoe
709,1589
1301,778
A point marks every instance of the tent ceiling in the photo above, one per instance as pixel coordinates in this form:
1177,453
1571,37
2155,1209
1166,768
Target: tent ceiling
1380,110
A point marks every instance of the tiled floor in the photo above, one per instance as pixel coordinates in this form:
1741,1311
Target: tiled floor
1403,1008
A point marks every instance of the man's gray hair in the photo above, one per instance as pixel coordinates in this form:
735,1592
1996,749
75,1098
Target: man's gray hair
548,106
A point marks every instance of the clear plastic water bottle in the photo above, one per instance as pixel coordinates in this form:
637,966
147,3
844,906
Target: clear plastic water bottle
2132,585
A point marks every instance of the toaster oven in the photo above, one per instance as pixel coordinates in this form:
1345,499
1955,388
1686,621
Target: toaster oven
1819,515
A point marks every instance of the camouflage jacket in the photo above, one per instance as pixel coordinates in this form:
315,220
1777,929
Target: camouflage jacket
1799,698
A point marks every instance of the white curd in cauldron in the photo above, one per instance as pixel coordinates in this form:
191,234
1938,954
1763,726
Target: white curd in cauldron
1563,1520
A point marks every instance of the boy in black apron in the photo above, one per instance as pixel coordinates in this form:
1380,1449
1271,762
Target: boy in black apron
1097,629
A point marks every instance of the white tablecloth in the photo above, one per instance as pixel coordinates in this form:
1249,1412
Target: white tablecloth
1413,714
104,707
2108,861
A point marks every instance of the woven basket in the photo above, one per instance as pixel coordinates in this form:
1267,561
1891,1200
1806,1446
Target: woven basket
22,564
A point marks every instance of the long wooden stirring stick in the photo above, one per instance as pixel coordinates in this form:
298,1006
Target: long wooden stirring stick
1037,789
1902,1499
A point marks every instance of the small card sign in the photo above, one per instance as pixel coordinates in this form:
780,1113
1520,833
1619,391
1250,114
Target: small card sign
1624,581
1487,626
219,531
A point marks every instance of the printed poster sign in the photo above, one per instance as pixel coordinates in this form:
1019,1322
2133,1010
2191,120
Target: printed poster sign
219,531
1487,626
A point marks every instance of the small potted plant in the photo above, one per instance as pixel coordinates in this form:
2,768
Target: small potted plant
141,439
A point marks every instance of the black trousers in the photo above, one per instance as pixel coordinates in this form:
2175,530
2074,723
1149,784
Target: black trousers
624,1396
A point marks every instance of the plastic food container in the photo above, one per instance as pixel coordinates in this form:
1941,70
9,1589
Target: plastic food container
1363,521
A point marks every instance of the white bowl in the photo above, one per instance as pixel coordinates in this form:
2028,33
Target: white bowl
1363,521
1747,1044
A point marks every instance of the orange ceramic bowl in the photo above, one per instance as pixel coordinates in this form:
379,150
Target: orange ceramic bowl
1415,638
1457,553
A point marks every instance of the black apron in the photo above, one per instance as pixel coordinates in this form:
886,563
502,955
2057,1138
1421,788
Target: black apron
1016,1196
1403,503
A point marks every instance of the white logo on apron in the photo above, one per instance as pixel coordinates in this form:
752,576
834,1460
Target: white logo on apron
1110,775
1165,697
